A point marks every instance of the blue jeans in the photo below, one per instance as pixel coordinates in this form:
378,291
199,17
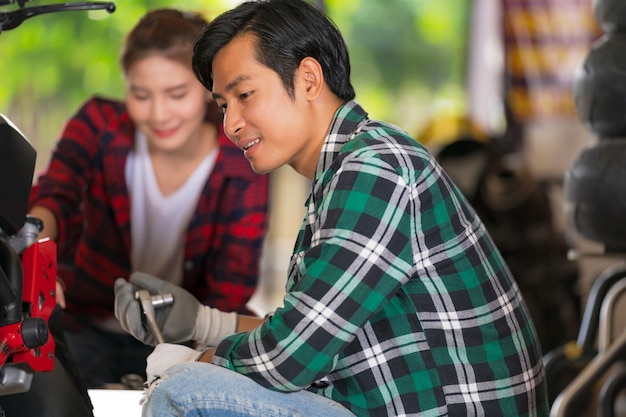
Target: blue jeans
201,390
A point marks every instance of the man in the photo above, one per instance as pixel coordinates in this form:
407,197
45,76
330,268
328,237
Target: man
397,303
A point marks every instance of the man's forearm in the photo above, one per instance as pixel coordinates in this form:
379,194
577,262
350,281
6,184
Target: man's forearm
248,323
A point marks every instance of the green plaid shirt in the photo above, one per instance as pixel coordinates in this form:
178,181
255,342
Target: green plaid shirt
398,303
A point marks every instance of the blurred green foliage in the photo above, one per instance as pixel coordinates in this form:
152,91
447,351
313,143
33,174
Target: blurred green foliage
67,55
408,57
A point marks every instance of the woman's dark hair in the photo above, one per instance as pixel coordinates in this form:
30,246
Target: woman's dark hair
166,32
286,32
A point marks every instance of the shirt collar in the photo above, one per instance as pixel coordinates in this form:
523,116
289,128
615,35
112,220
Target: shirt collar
344,126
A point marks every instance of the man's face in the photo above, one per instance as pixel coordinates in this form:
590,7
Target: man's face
260,117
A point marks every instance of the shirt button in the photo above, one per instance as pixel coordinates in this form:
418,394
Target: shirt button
188,265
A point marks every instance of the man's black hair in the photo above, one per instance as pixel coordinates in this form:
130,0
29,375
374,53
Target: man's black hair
286,32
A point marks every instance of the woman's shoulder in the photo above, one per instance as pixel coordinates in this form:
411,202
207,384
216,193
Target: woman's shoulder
100,110
102,102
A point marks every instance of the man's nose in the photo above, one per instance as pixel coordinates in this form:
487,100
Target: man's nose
233,121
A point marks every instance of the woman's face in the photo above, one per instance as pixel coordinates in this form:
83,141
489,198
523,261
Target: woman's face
166,102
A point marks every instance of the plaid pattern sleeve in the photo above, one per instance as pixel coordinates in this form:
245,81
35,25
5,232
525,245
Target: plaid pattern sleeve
398,302
61,187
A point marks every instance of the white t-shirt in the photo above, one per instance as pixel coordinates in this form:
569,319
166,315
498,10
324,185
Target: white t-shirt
159,223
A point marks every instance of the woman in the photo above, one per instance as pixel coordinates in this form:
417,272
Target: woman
150,184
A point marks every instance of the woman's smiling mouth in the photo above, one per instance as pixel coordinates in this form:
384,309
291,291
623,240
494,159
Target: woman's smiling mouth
164,133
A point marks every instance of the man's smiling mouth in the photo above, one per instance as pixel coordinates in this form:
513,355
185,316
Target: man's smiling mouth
251,144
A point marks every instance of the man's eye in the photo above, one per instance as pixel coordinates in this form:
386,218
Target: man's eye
245,95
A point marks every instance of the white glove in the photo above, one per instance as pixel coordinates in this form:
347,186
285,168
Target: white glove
212,325
166,355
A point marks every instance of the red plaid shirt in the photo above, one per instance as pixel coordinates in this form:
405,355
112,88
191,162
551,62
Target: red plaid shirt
85,187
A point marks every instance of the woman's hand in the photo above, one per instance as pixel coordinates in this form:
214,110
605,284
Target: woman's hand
60,294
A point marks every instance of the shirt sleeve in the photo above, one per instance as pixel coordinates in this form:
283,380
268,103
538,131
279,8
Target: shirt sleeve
62,185
347,265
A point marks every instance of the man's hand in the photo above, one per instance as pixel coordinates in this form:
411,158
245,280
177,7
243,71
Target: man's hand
176,321
186,319
166,355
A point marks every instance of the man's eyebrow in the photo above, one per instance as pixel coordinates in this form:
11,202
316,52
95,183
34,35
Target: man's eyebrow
231,85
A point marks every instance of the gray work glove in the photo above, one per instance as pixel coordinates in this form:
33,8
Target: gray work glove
186,319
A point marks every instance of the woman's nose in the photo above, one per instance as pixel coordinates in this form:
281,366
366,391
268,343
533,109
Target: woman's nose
158,110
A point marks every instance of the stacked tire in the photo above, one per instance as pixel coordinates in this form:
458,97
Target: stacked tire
595,185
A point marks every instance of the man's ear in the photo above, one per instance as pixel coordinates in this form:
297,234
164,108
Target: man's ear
311,76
